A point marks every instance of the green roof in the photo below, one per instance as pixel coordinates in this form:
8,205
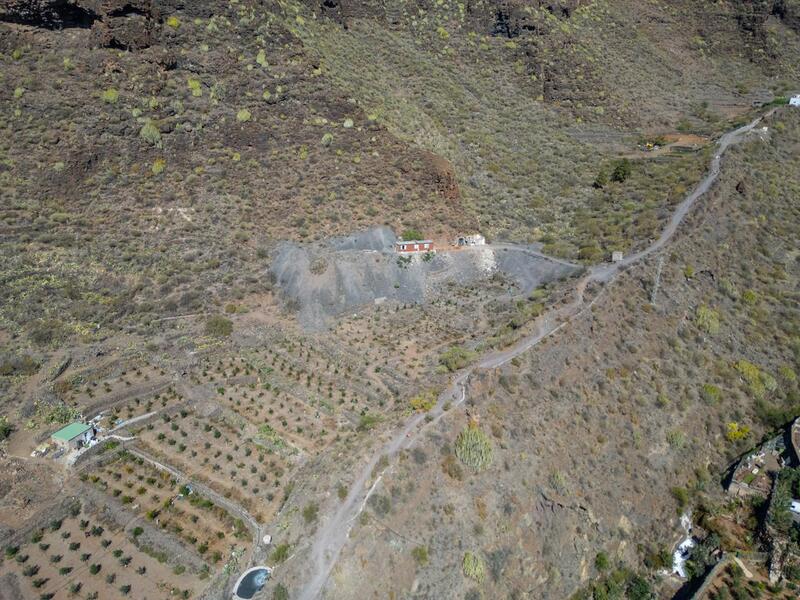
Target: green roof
71,431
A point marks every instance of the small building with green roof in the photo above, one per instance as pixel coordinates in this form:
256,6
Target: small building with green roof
73,435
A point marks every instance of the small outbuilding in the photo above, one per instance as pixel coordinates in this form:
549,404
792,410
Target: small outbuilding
410,246
74,435
794,101
794,509
617,256
476,239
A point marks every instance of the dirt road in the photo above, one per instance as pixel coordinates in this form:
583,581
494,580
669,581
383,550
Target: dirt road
334,530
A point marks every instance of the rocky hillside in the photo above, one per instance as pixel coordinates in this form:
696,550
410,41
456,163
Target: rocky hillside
151,144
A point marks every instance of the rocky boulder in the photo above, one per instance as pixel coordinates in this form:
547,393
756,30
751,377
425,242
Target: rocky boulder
127,25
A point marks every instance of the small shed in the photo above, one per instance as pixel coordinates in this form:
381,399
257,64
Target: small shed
794,101
410,246
616,256
794,508
476,239
73,435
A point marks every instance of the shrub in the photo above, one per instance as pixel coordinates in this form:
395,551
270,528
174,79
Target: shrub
341,491
601,562
110,96
194,86
710,394
758,382
243,115
280,554
451,467
736,432
94,569
676,439
750,297
703,556
280,592
601,180
707,320
424,401
382,505
412,234
310,513
5,428
786,372
621,170
30,570
150,133
474,567
456,358
639,589
219,326
681,495
367,422
474,448
420,554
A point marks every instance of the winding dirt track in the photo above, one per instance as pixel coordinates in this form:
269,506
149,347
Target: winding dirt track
333,533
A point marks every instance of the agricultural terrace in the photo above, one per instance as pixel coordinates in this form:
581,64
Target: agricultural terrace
231,456
112,383
81,556
139,406
155,496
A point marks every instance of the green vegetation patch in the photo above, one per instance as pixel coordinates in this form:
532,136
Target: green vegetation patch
474,448
474,567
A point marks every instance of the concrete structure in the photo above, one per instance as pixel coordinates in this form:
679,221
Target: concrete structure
794,101
411,246
476,239
616,256
74,435
756,473
251,583
794,434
